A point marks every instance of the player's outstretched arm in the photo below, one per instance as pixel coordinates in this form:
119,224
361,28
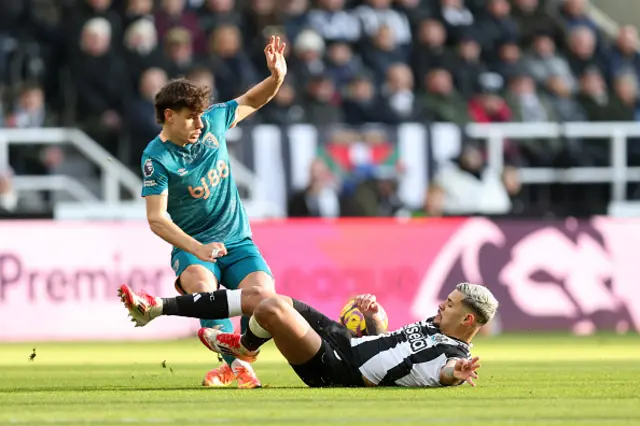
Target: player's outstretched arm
163,227
458,371
263,92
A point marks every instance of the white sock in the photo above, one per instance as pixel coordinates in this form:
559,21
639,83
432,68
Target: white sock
257,329
234,302
238,363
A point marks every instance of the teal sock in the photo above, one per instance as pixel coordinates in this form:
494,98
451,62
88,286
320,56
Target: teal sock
226,326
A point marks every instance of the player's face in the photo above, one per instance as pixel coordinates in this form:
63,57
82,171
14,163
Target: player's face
452,313
185,125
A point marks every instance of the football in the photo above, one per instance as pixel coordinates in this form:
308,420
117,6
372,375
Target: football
353,319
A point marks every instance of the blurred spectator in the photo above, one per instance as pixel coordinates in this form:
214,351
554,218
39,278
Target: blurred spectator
573,13
204,77
441,101
319,198
381,51
214,13
543,61
259,15
99,76
470,188
296,17
497,26
376,195
565,106
433,203
488,106
30,110
509,59
8,196
529,106
342,65
625,95
233,68
89,10
376,14
457,19
178,52
624,55
10,14
141,49
532,20
321,102
429,50
361,103
468,66
598,105
594,96
140,114
513,185
399,100
582,51
137,10
172,14
333,23
284,109
308,56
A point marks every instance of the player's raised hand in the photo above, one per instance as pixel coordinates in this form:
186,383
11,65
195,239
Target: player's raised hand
210,252
274,52
367,303
465,369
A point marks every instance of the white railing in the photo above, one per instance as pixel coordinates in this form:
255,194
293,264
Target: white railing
114,174
618,173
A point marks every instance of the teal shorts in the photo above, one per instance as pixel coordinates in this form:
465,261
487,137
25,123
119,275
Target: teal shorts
242,259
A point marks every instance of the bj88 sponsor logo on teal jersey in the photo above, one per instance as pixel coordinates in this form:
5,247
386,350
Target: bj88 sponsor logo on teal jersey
210,181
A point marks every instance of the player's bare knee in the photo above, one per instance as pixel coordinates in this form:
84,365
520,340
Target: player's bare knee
194,280
270,311
251,298
258,279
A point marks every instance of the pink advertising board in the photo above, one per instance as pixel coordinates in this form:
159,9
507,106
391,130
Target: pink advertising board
58,280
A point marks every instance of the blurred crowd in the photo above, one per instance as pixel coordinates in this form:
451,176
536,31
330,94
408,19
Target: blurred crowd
97,65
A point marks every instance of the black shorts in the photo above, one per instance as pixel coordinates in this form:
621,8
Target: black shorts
334,364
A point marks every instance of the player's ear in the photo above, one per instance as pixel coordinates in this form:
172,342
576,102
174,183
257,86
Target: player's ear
469,319
168,114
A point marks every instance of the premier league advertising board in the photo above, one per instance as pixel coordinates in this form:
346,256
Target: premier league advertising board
576,276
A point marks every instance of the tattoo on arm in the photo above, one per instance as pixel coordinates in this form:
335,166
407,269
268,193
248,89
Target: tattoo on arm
373,327
446,376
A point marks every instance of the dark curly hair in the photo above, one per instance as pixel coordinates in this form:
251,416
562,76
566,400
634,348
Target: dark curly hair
179,94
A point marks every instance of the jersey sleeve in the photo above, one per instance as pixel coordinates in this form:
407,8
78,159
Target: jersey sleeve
155,177
222,114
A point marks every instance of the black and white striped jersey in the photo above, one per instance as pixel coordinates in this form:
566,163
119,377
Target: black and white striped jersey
410,356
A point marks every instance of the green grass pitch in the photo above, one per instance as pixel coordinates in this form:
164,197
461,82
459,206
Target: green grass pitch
536,379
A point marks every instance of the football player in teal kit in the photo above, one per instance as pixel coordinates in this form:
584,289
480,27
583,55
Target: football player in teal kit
187,174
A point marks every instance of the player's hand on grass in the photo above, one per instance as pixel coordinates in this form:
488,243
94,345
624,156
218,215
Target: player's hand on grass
465,370
276,62
210,252
367,303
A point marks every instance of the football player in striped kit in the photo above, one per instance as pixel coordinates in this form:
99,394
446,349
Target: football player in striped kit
431,353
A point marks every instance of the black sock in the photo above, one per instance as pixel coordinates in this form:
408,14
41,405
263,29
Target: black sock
251,341
198,305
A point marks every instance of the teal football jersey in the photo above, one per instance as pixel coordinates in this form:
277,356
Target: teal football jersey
203,198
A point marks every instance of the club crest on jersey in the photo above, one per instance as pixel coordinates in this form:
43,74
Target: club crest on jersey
210,140
147,169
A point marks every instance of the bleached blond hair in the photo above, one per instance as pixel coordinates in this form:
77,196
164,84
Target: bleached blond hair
480,300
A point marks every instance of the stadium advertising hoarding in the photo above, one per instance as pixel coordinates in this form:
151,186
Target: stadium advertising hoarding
58,280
